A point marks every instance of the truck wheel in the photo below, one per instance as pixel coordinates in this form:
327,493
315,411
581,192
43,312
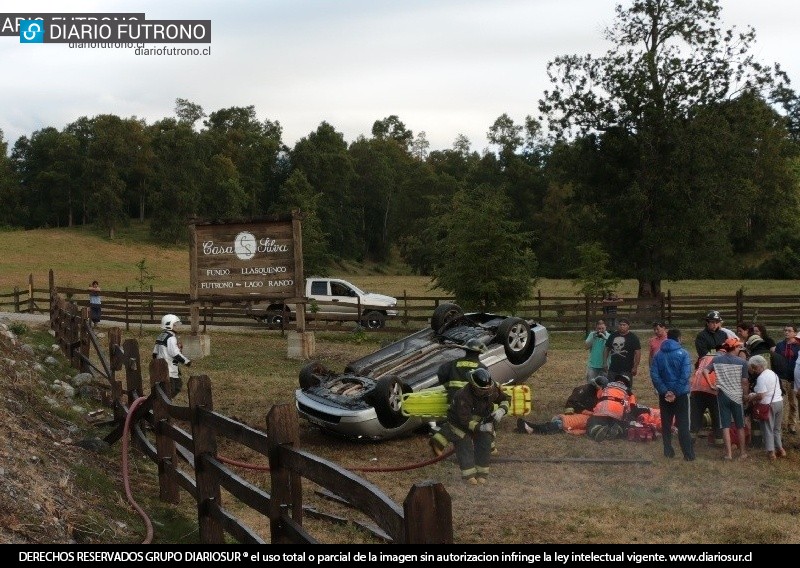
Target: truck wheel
517,338
277,315
445,315
387,398
373,320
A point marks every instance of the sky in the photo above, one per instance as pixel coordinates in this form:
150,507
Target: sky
445,67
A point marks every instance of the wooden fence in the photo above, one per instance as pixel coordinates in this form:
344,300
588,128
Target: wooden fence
185,450
557,313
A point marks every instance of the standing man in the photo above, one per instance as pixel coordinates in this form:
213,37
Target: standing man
712,336
732,385
168,348
670,371
596,343
703,397
622,352
659,336
789,347
610,303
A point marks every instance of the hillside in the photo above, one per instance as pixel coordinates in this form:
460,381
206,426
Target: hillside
41,501
52,489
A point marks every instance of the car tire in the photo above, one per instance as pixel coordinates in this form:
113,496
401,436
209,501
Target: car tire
386,398
444,316
516,336
310,375
373,320
277,315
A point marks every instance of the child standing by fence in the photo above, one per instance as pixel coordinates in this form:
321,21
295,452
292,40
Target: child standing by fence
94,303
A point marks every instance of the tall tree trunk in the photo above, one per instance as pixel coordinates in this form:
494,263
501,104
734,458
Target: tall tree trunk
649,288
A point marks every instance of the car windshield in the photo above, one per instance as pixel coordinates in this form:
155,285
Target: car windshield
358,290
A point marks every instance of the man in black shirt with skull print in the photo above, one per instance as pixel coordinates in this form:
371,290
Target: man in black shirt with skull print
622,354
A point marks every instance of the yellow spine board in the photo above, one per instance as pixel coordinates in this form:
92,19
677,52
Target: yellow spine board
432,403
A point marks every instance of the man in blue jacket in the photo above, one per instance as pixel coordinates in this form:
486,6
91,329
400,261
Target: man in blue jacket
671,371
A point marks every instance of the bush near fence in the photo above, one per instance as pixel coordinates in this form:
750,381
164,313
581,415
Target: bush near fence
557,313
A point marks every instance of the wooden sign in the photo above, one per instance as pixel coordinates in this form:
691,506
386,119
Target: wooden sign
246,260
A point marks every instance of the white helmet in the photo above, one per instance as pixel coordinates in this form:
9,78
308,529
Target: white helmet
168,321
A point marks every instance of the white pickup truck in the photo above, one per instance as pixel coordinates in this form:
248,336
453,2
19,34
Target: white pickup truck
329,298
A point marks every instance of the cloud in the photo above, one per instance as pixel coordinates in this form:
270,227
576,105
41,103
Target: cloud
448,67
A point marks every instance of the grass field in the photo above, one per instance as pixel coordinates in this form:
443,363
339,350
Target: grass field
79,255
542,489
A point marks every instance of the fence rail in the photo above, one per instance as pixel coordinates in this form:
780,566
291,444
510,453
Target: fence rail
185,449
557,313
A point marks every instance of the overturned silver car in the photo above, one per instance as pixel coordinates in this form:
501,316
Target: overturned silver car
364,402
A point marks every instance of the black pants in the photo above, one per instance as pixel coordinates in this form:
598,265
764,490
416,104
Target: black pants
700,402
677,411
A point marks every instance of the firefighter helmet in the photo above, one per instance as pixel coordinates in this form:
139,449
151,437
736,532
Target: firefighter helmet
476,345
169,322
480,378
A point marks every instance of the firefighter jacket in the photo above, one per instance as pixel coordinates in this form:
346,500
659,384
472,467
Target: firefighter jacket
471,406
613,401
699,383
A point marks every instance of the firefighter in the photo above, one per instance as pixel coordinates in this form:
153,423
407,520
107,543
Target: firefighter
614,403
168,347
472,416
452,376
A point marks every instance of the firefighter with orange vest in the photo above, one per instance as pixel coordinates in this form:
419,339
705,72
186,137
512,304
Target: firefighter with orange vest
614,402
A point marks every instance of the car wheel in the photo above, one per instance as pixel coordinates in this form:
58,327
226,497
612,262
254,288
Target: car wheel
444,316
276,315
373,320
387,398
517,338
310,375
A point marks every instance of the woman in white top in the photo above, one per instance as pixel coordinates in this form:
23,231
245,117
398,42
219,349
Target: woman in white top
768,391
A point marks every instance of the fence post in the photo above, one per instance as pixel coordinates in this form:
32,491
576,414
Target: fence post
30,293
84,339
539,303
165,447
205,444
740,304
152,303
586,322
283,428
668,307
428,514
127,311
16,299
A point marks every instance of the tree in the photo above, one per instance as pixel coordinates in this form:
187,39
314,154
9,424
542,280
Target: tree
297,193
484,259
188,112
323,158
593,277
633,108
251,146
13,213
393,128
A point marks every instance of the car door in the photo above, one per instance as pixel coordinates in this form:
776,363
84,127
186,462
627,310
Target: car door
345,298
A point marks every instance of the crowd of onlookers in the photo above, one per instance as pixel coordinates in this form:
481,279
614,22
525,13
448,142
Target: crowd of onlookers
736,382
